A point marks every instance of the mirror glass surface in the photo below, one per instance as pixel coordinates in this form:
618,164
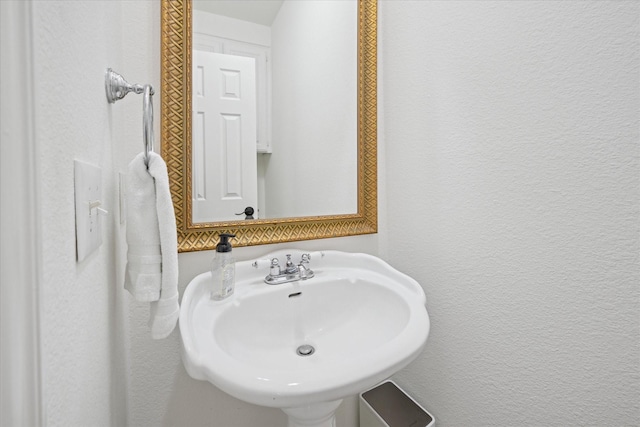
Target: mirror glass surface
286,143
307,71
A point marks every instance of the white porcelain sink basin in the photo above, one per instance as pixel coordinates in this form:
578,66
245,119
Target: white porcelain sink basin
363,319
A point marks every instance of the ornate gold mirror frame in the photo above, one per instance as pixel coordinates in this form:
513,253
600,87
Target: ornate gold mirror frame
176,143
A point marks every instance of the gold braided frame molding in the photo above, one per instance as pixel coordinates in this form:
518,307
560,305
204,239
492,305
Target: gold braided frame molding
176,143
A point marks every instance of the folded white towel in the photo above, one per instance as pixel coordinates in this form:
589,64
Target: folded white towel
152,257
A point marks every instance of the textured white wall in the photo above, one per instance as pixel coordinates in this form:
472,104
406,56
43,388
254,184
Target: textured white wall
83,308
512,176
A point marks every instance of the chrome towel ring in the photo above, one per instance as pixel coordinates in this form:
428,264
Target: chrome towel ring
147,122
116,88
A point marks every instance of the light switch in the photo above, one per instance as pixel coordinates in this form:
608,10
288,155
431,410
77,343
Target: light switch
89,208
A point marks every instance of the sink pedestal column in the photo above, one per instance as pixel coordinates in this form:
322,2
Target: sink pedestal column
315,415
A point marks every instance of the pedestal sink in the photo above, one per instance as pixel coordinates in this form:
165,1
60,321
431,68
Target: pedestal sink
305,345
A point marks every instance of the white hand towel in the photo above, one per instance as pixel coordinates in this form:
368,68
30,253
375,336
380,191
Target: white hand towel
152,257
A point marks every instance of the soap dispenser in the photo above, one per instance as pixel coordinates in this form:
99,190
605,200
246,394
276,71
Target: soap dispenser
223,269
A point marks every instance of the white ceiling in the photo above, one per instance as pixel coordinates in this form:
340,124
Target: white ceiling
257,11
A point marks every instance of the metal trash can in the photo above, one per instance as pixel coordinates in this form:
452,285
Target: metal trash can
386,405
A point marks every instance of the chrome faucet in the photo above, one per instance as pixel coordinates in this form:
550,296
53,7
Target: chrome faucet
290,272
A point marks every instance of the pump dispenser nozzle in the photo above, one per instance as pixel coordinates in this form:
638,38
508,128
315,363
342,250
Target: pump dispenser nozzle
223,269
224,245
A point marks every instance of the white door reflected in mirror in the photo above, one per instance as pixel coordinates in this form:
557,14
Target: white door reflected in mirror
306,78
224,136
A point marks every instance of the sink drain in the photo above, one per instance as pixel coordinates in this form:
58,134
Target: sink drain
305,350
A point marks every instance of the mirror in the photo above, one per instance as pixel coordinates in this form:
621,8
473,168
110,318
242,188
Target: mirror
183,154
277,78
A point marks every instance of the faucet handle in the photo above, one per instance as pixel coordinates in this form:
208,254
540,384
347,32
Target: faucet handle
273,264
303,267
275,267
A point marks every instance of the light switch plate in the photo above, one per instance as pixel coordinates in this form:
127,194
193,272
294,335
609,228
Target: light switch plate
88,194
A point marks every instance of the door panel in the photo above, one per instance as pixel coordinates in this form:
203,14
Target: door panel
224,136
